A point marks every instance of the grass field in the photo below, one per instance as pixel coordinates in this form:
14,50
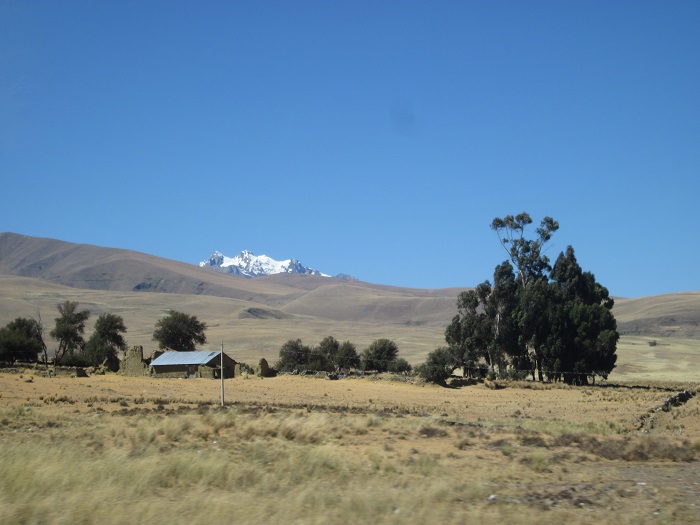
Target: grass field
109,449
112,450
671,358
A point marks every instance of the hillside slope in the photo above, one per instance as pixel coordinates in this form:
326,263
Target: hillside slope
254,317
108,269
676,315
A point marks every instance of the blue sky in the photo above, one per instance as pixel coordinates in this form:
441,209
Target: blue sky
375,138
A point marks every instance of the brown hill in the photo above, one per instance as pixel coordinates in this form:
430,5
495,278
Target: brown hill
670,315
109,269
256,316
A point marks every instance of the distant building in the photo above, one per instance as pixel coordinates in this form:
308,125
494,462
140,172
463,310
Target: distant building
178,364
192,364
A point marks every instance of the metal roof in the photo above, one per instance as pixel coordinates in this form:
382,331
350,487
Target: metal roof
184,358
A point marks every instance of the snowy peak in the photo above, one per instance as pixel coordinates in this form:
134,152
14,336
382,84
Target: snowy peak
247,264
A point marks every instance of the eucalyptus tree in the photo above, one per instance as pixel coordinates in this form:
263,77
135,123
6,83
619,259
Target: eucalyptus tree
586,335
532,266
525,254
501,306
553,322
468,335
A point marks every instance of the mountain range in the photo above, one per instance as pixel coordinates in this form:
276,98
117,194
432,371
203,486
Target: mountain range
247,264
256,316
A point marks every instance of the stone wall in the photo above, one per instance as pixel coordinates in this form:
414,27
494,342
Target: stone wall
133,364
263,369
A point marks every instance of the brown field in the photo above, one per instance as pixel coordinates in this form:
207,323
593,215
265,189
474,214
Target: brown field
109,449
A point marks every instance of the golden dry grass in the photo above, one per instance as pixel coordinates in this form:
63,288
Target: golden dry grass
108,449
671,358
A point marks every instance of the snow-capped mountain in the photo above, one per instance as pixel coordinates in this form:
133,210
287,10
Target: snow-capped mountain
247,264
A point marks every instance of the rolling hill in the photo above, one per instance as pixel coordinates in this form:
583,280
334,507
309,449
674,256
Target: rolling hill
254,317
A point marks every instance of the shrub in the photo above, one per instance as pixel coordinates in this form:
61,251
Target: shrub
437,367
293,356
399,366
379,355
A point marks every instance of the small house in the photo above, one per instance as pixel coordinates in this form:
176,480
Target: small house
192,364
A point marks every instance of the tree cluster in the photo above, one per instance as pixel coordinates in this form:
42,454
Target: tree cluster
550,322
23,338
333,356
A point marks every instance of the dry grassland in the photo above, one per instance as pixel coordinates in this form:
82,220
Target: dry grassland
670,359
108,449
247,337
356,312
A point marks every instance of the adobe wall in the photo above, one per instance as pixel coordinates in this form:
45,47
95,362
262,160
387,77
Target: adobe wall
133,364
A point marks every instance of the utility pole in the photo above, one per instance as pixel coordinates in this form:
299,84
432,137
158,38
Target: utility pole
222,372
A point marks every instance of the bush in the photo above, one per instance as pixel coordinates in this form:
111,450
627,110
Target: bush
346,357
399,366
437,367
378,355
293,356
98,351
79,359
20,340
319,361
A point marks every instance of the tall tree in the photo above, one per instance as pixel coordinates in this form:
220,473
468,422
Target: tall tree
69,329
484,327
469,334
180,332
586,334
525,254
39,325
555,322
534,304
501,307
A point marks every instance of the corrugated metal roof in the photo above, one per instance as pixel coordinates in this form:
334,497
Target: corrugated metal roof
184,358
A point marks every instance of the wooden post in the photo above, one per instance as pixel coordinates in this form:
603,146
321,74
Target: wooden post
222,372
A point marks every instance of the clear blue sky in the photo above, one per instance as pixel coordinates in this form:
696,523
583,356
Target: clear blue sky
376,138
